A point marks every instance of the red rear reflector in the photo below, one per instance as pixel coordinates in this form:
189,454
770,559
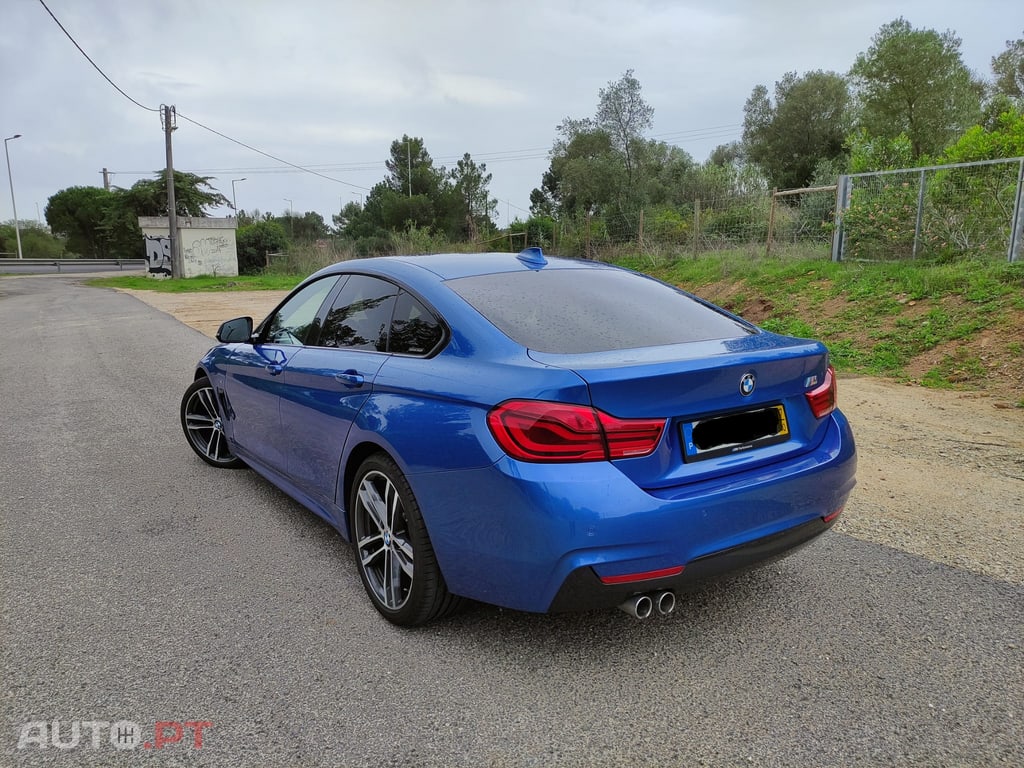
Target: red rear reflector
822,399
832,515
628,577
537,430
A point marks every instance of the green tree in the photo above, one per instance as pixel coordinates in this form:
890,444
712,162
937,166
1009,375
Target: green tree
100,223
969,210
470,183
624,116
667,170
409,159
732,153
602,164
1003,138
255,241
587,175
303,229
36,241
914,81
806,123
1008,68
193,195
435,206
79,214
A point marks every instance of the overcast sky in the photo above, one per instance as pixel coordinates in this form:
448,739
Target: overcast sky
332,84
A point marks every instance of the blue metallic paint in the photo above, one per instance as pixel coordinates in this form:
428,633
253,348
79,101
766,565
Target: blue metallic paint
510,532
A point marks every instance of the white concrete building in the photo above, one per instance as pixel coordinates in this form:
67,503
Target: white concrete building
207,245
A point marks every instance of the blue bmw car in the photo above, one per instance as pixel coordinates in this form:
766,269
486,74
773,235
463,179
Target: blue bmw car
538,433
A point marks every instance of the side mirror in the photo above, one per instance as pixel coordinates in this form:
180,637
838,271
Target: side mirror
239,329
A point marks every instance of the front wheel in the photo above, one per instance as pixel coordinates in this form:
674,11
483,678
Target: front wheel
396,562
201,422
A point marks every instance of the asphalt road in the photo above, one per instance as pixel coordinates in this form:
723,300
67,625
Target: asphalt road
140,585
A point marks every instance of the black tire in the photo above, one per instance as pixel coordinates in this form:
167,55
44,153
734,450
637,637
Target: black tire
395,559
201,423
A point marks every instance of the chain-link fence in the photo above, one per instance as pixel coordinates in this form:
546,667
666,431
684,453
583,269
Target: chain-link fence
973,210
747,222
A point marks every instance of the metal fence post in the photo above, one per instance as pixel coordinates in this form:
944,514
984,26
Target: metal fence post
920,212
771,223
696,228
842,203
1017,225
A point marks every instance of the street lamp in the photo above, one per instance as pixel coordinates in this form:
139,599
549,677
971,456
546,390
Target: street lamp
234,201
291,217
10,179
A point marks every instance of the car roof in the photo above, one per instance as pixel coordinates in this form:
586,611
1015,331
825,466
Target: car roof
450,266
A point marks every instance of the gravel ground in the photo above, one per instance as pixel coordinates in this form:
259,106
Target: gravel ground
941,474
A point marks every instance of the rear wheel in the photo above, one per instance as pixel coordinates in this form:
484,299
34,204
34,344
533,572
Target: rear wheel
201,422
396,562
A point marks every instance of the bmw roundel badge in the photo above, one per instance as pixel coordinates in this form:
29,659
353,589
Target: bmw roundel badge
747,384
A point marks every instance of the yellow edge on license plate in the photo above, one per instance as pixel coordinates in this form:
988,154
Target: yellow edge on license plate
783,424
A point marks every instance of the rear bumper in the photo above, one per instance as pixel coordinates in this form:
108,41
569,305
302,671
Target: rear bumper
583,589
539,537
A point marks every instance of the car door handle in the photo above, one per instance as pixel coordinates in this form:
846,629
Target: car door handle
349,378
274,368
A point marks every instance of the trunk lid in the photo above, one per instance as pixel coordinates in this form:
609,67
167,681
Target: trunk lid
714,425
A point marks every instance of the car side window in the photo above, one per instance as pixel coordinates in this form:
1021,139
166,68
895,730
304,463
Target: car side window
414,329
295,323
360,316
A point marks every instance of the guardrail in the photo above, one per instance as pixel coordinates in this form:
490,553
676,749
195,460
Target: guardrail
59,263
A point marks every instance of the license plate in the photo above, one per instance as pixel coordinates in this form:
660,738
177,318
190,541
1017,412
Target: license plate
734,433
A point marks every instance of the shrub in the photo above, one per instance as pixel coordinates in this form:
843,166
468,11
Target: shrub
255,242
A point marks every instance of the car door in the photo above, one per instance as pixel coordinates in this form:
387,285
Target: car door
326,383
253,374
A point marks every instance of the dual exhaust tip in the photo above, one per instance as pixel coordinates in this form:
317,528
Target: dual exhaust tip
643,606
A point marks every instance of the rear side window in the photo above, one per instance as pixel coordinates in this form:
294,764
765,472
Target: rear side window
570,311
360,315
414,329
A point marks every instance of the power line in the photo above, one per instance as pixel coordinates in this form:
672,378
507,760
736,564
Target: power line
267,154
729,126
94,64
506,156
186,117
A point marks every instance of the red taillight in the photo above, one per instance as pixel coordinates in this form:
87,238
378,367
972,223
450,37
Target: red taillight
822,399
537,430
630,437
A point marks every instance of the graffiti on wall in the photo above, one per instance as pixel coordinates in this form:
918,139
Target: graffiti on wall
209,254
158,253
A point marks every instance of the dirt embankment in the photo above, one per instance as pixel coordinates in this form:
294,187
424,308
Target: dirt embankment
941,473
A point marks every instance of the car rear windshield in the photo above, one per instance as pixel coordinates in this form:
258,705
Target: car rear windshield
571,311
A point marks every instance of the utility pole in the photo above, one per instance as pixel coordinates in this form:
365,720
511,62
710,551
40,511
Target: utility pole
168,115
106,179
408,155
10,179
234,201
